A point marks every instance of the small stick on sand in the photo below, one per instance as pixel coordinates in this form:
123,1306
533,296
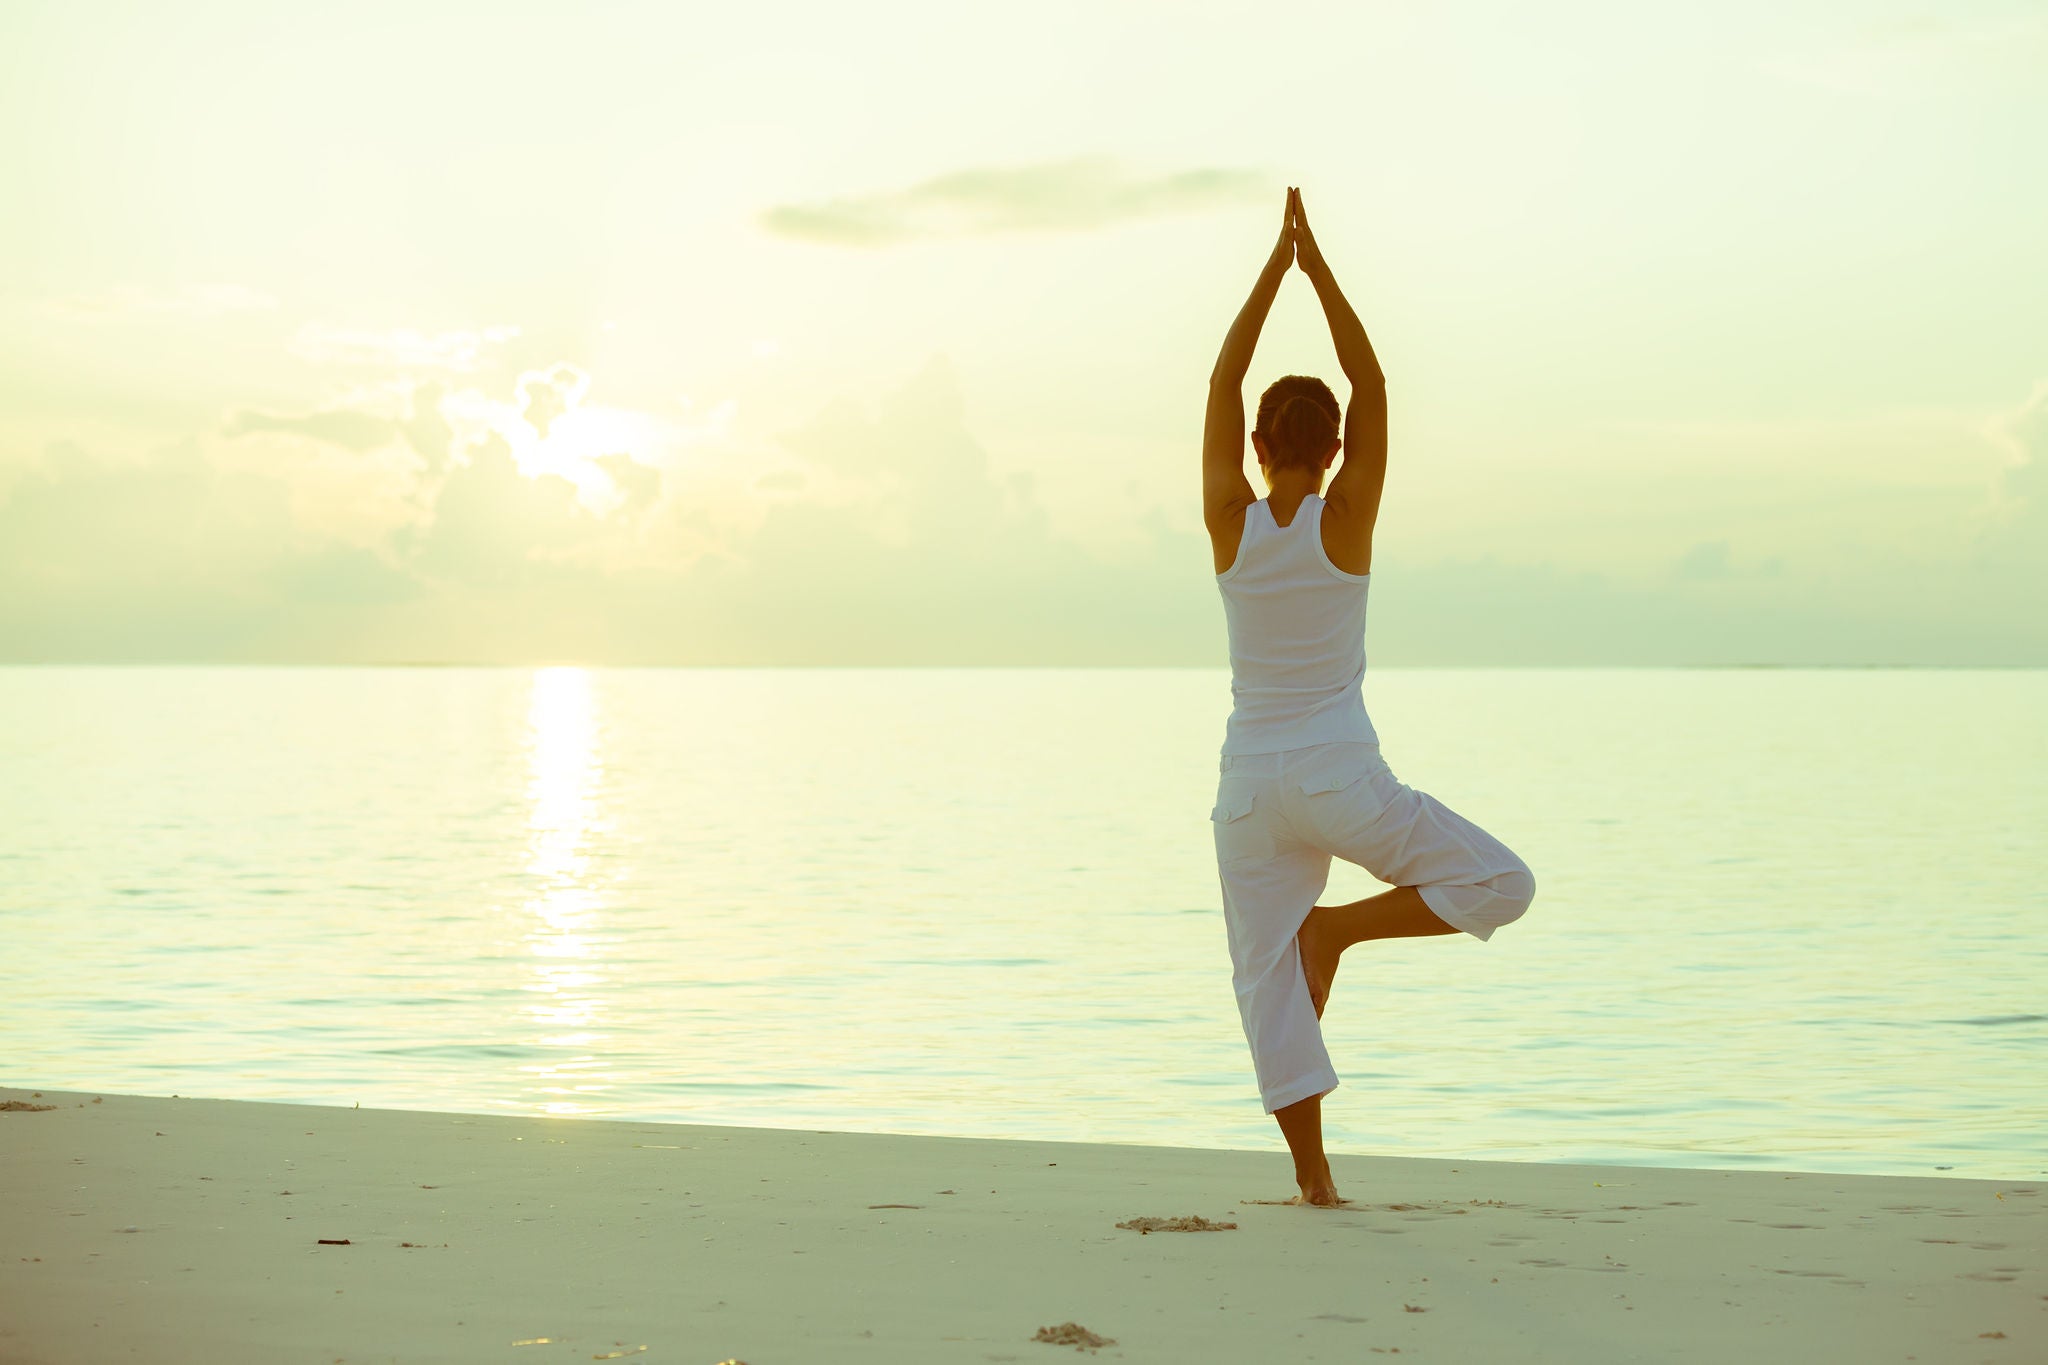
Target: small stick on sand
1195,1223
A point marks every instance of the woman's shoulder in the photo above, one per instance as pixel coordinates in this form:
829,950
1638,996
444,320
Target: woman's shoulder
1346,544
1228,534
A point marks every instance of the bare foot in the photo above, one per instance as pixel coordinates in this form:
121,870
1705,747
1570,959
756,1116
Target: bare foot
1319,955
1319,1189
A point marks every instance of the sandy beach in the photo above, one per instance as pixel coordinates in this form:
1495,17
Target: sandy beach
175,1229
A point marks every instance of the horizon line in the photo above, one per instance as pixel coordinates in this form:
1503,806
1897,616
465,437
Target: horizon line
1224,667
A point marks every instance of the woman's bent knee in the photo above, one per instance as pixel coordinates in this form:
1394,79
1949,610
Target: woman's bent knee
1516,887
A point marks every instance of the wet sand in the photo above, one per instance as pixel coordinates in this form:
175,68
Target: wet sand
212,1230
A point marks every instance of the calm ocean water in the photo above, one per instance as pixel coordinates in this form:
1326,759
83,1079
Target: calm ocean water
1785,919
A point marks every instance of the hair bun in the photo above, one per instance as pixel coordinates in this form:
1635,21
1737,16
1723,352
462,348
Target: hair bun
1301,431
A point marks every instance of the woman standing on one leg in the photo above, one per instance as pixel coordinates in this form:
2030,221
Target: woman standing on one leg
1303,779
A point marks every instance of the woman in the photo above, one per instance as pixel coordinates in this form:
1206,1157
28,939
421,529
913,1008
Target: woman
1302,775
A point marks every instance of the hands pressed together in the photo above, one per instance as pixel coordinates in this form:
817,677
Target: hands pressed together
1297,244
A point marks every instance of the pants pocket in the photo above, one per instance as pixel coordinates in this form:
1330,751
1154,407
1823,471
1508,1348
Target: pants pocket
1342,767
1241,835
1345,803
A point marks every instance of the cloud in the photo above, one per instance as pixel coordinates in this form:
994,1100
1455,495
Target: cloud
2025,433
470,443
544,395
399,348
127,302
1492,611
892,540
425,429
1708,559
181,557
639,485
547,426
1062,196
172,558
903,546
344,427
2019,509
781,481
492,525
404,412
1712,561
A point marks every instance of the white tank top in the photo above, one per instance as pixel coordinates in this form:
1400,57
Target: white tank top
1297,637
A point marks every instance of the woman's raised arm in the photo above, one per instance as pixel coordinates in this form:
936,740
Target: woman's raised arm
1224,486
1354,352
1235,360
1361,479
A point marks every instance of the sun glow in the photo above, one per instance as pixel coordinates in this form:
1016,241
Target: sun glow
578,439
549,428
564,774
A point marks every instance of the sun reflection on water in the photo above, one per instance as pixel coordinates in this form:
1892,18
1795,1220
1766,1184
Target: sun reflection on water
565,773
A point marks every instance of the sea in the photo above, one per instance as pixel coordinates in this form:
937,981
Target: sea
1785,919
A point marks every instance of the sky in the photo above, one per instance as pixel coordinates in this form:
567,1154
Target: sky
816,334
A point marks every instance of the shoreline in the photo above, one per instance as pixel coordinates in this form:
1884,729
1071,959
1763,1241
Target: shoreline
193,1229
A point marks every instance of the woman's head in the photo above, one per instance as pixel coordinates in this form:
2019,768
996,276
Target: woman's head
1297,425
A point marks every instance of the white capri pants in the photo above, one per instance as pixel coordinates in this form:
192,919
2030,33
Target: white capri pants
1279,819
